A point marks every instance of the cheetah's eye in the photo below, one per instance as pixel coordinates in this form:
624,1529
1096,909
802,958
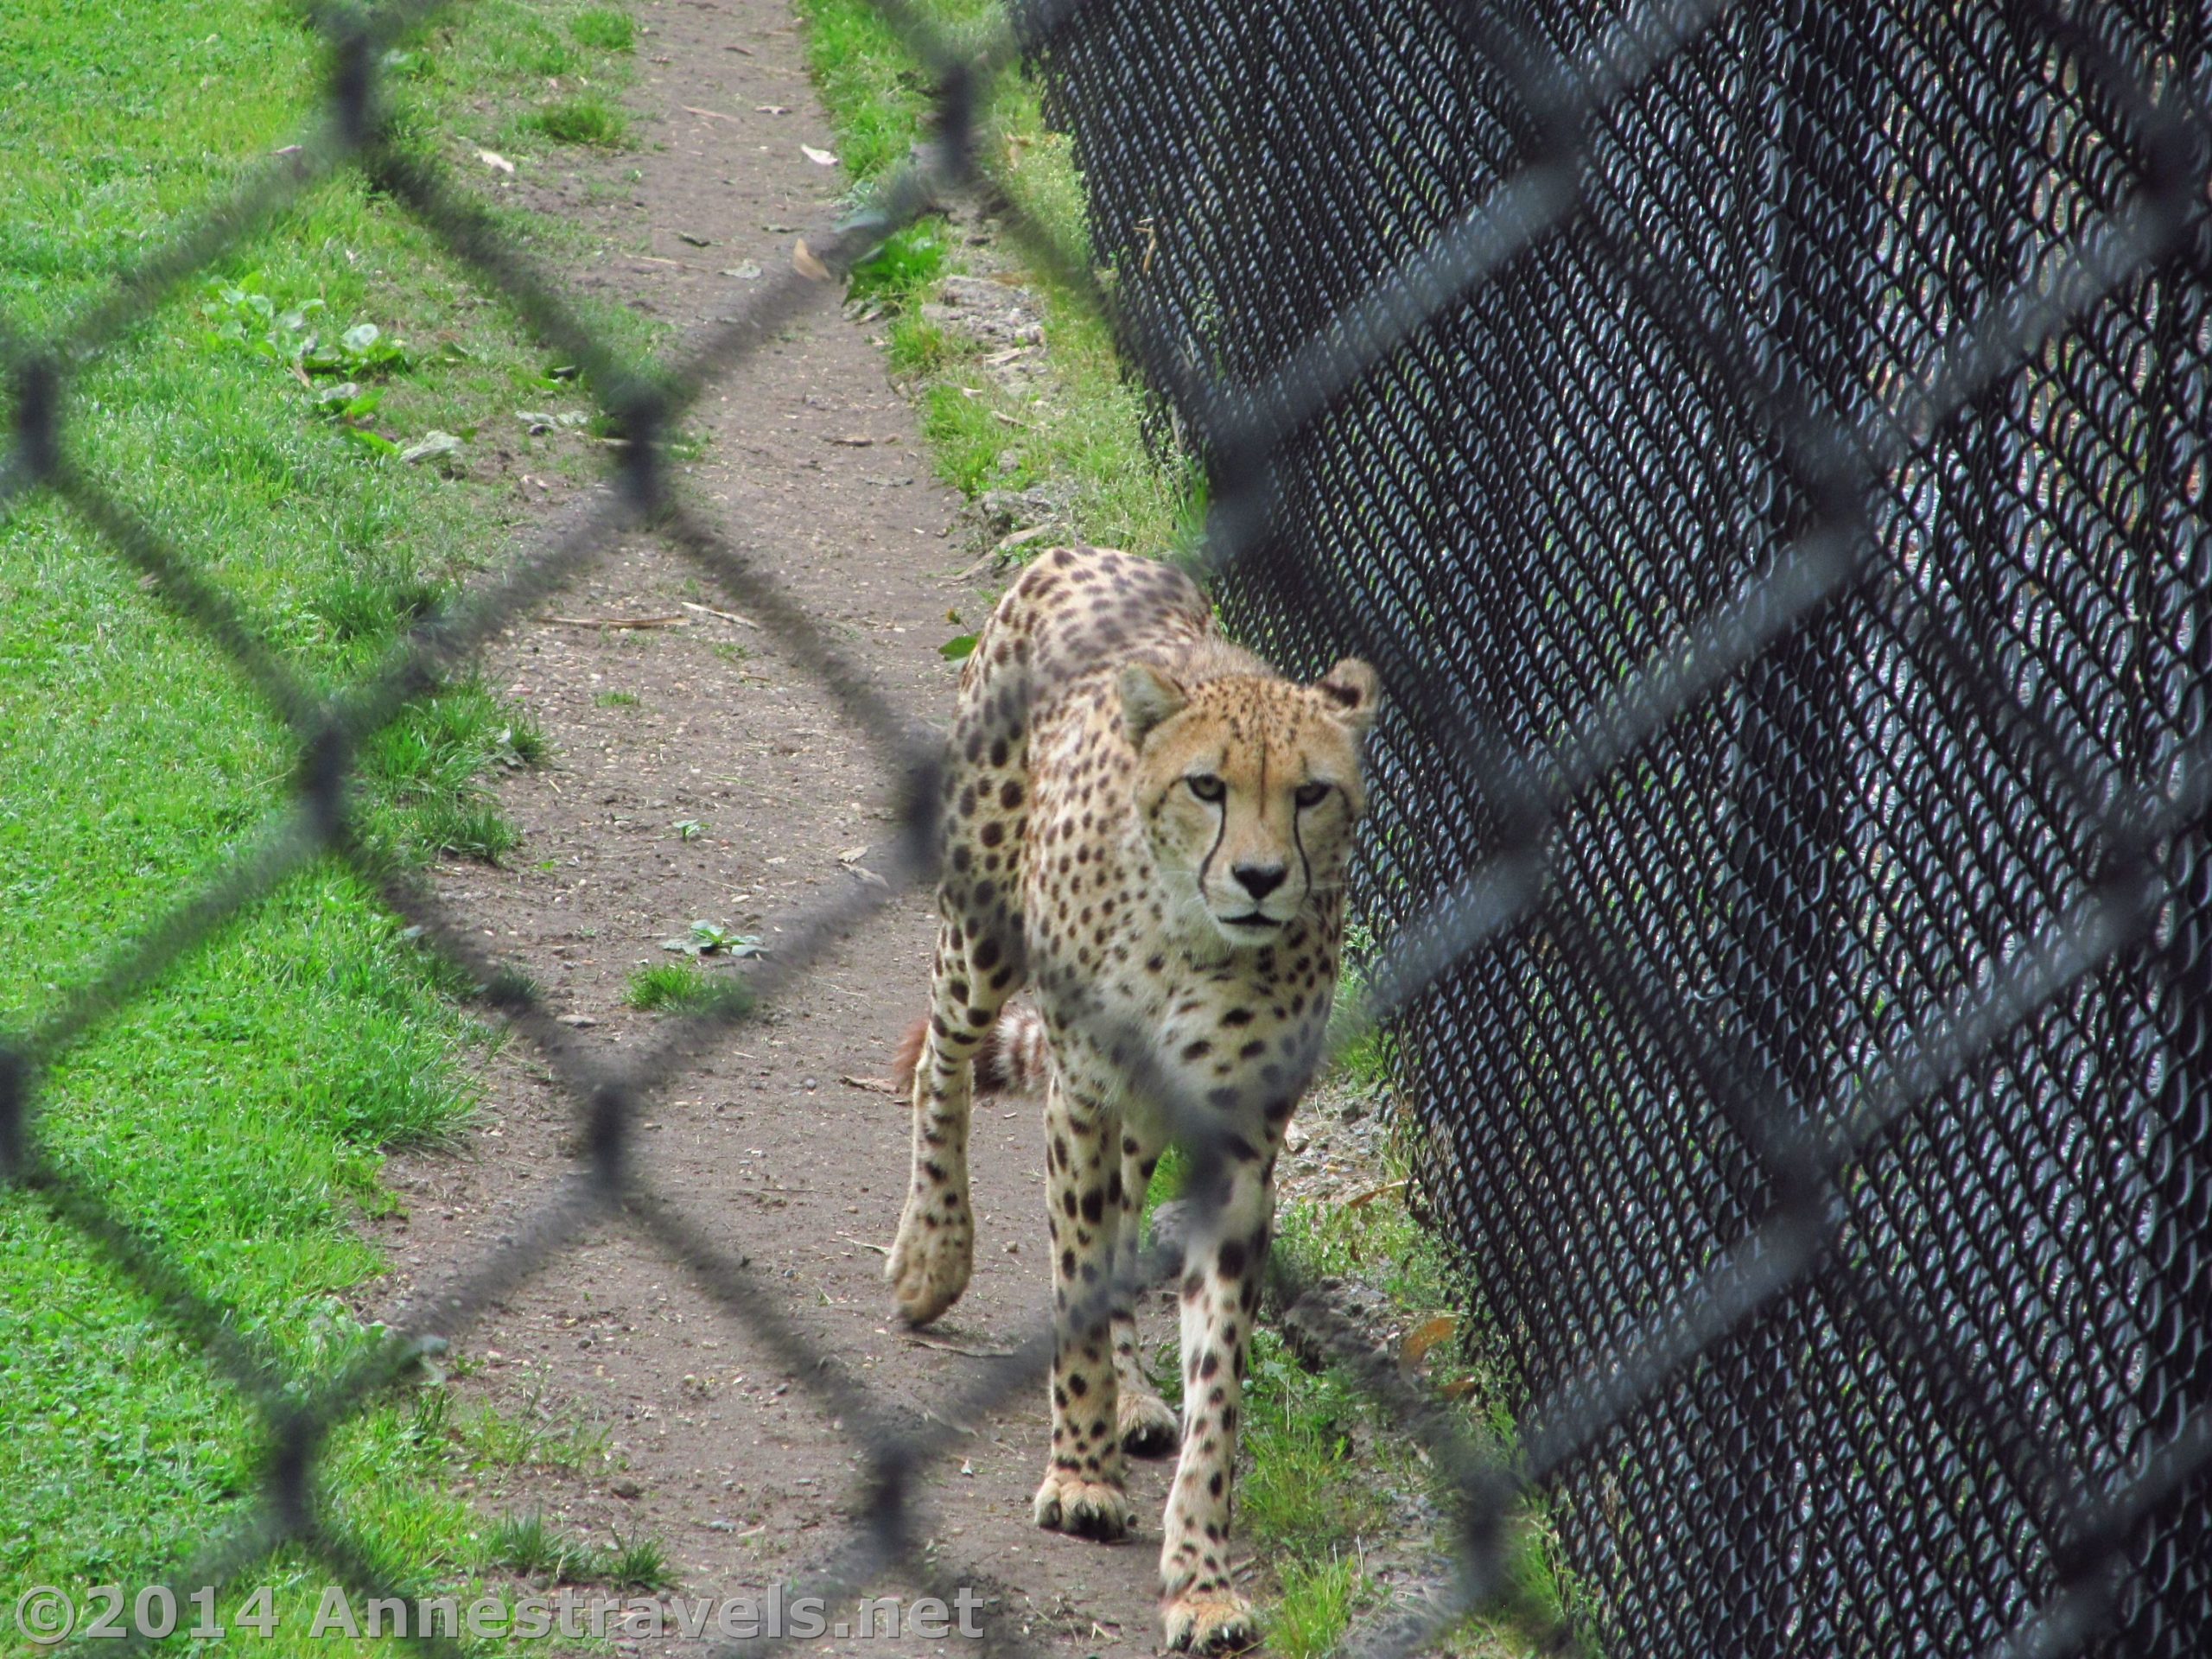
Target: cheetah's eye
1311,794
1207,786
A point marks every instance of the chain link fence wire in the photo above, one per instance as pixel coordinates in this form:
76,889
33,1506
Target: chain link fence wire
1763,449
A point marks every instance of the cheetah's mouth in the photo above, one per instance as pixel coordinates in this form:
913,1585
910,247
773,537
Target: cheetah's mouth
1254,920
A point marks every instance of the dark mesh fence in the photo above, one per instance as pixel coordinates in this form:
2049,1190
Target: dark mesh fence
1764,449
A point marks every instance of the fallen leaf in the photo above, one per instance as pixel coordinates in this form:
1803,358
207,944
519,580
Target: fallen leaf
851,855
711,115
872,1085
696,241
748,271
805,261
1424,1336
1457,1388
771,109
1361,1200
853,441
819,157
497,163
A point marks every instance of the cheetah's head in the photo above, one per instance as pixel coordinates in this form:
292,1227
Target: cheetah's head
1249,788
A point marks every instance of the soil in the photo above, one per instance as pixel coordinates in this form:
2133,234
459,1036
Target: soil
812,463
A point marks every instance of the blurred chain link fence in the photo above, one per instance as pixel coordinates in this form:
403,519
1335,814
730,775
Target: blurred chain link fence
1763,449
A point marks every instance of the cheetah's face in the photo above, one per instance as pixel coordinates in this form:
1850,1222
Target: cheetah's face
1249,789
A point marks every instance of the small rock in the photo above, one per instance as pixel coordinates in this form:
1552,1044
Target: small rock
581,1021
625,1489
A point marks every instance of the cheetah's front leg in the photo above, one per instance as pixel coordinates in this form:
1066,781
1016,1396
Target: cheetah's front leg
1084,1488
1221,1295
935,1251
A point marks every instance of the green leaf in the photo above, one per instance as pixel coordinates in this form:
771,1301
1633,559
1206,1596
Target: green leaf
953,649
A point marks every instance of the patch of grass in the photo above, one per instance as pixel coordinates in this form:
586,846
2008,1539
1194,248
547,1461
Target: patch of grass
532,1435
1084,428
1315,1609
605,28
1307,1494
668,985
235,1115
616,700
585,118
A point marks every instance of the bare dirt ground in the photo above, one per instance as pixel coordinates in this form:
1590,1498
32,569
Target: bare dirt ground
813,464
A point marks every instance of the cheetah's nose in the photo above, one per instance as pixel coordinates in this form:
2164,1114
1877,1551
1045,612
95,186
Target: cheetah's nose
1260,880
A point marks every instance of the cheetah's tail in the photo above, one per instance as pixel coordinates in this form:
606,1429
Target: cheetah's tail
1016,1057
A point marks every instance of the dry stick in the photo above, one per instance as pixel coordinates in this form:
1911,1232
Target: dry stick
955,1348
615,621
726,616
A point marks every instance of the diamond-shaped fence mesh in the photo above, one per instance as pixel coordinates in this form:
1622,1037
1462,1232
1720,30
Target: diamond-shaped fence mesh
1764,448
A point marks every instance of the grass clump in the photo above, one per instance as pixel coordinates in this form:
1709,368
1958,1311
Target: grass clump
585,118
669,986
525,1544
604,28
639,1564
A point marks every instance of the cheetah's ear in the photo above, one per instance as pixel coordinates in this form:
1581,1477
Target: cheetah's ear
1352,692
1148,697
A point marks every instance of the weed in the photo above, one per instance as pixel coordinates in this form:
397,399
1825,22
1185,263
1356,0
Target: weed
526,1545
532,1435
585,118
712,939
669,985
638,1564
616,700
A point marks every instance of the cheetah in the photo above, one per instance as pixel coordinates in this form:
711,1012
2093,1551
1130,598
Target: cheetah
1146,828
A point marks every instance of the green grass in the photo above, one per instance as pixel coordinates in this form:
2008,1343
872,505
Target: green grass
604,28
236,1114
669,985
1083,430
525,1544
585,118
1317,1599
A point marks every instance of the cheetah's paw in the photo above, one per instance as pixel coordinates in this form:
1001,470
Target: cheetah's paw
929,1265
1091,1509
1211,1621
1148,1429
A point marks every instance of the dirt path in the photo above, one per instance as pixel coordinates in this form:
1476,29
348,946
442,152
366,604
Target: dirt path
815,466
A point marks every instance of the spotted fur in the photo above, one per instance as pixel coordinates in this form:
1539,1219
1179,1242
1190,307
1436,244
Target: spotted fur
1147,827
